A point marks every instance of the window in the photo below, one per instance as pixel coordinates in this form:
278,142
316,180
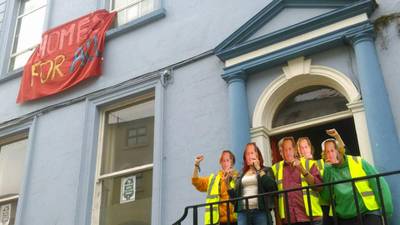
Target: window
129,10
126,169
2,11
28,31
308,103
12,159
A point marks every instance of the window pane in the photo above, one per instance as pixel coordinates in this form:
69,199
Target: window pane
136,211
12,159
7,212
29,30
124,148
29,5
136,10
20,60
309,103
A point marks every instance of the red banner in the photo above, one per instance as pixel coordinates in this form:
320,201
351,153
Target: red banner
67,55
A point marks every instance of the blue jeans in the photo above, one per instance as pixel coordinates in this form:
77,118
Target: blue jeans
256,217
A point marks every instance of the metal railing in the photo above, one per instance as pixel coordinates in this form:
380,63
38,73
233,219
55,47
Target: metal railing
384,218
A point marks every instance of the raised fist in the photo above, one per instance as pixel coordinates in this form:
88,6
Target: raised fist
198,159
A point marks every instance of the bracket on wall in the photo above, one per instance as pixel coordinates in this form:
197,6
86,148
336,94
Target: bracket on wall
166,77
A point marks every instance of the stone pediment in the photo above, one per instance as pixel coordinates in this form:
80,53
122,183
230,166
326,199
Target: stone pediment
283,20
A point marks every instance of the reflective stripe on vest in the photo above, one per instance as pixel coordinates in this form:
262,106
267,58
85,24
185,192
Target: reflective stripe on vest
367,195
320,166
314,196
212,196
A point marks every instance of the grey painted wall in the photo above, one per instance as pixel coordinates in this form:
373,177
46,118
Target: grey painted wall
146,49
388,45
52,181
288,17
196,122
196,107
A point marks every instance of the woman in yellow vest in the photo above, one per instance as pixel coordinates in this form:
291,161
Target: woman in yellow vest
254,179
216,186
341,167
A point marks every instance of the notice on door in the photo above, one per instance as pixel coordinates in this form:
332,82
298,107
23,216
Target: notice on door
5,214
128,189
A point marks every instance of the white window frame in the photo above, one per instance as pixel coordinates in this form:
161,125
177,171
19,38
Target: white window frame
17,17
155,2
8,136
97,193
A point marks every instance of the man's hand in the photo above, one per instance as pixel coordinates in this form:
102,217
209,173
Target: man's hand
296,163
198,159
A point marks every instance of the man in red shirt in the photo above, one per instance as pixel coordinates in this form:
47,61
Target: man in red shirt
294,173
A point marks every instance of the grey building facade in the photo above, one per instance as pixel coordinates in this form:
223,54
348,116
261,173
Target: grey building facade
182,78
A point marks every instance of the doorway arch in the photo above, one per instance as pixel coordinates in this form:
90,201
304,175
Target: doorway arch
300,74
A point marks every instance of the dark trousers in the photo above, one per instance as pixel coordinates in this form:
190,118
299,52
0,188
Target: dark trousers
232,223
326,219
319,222
368,219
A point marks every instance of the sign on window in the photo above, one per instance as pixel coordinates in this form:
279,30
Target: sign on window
5,214
128,189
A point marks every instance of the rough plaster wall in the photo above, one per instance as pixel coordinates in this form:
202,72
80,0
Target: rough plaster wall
386,7
196,122
182,34
52,181
288,17
2,12
388,45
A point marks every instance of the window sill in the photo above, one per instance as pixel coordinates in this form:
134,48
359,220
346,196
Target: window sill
11,75
148,18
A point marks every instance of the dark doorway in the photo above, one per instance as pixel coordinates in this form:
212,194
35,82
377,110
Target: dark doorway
317,134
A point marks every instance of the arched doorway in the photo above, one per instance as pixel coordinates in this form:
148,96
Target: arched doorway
304,101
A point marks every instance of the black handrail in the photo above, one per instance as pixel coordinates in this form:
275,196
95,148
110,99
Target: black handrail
353,180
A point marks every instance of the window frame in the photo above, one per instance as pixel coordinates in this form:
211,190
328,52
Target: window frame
13,133
14,41
8,34
158,13
87,201
99,177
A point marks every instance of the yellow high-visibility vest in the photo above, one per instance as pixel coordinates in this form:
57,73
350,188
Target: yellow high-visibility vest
367,195
277,168
213,192
320,166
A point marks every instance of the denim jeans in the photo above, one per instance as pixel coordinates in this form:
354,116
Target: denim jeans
254,217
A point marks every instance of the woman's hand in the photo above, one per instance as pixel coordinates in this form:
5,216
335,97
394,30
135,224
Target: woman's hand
256,164
227,175
198,159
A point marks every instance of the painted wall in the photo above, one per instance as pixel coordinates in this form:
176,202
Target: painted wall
196,102
387,45
52,180
143,50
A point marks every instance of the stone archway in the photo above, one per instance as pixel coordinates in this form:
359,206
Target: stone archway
299,73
